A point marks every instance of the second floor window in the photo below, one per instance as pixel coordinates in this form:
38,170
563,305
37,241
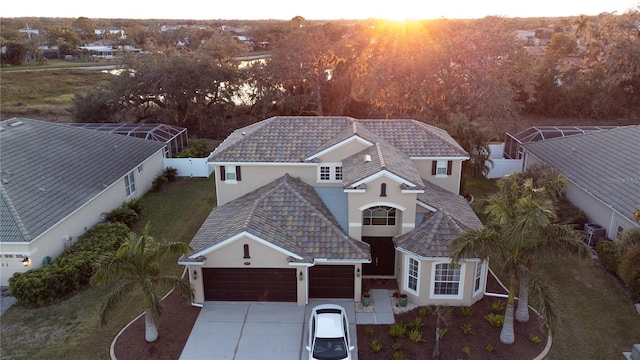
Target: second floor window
379,215
330,172
230,173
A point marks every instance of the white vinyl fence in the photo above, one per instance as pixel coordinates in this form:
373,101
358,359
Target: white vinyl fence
190,167
501,166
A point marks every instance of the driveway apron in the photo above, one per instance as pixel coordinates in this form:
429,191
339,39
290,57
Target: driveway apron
255,330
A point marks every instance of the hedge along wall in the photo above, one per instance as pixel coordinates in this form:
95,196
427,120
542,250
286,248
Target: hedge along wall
69,272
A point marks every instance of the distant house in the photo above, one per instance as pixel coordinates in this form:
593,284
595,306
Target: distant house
308,207
603,169
112,31
57,181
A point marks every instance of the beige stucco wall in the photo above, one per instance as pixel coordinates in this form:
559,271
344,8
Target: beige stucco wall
255,176
449,182
53,242
423,296
404,202
231,255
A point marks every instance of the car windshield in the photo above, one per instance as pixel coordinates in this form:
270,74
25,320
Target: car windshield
330,348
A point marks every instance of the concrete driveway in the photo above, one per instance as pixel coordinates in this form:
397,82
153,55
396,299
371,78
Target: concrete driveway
256,330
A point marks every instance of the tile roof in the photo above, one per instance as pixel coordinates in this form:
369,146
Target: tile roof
294,139
289,214
454,204
50,170
383,157
433,236
604,163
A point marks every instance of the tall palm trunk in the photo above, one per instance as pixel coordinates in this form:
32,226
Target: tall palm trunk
150,329
522,312
507,335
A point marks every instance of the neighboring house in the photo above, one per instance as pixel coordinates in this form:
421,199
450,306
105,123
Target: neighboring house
603,169
308,206
57,181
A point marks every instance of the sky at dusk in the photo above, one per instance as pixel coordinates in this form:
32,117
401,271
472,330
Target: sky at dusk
312,10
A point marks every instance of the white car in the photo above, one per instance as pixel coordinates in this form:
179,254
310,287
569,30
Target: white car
329,333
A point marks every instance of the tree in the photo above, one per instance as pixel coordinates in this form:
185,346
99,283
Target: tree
520,230
475,140
136,265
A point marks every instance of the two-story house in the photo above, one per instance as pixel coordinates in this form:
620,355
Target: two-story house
309,206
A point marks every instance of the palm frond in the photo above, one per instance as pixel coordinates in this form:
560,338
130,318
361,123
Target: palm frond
480,243
557,241
120,292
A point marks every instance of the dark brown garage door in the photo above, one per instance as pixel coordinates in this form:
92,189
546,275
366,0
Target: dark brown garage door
331,281
231,284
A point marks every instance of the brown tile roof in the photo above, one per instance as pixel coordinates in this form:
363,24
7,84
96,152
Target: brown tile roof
433,236
383,157
294,139
289,214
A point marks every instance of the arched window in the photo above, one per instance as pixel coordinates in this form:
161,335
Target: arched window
379,215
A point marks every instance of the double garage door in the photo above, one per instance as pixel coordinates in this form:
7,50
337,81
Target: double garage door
266,284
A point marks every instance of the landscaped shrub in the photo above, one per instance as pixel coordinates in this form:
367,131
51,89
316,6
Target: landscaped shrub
71,271
629,267
157,183
123,214
634,289
170,173
195,149
609,255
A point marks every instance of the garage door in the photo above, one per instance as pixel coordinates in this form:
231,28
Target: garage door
231,284
331,281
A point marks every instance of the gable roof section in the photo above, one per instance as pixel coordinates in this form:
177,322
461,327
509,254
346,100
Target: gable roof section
284,139
50,170
456,205
383,157
604,163
433,237
290,215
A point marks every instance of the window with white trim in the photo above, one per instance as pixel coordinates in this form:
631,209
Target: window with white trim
379,215
330,172
412,276
441,168
446,279
230,173
477,283
129,184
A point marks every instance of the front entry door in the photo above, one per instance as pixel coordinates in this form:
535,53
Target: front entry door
383,255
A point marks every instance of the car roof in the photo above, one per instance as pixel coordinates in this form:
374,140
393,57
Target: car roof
329,325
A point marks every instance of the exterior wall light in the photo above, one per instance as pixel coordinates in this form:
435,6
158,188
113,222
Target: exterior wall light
26,261
195,275
300,276
358,273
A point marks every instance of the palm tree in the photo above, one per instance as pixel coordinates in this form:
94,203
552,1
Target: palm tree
136,264
519,230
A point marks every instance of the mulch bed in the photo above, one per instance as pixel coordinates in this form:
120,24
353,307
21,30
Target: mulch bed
179,316
174,329
453,344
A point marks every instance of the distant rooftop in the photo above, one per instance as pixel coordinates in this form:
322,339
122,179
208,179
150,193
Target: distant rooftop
174,136
512,143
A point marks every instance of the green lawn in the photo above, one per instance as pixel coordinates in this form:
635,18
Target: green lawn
596,319
70,329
